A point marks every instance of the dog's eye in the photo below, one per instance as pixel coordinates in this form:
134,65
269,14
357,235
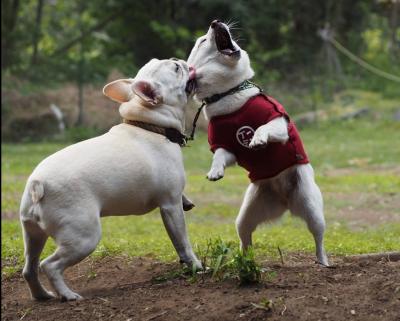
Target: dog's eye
202,40
176,67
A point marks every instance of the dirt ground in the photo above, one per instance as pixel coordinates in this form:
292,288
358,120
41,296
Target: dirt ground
140,289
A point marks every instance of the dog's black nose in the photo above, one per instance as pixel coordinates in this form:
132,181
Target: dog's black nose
214,23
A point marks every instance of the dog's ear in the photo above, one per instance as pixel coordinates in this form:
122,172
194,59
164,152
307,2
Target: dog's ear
148,92
119,90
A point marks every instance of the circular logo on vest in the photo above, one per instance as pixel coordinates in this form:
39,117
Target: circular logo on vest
244,135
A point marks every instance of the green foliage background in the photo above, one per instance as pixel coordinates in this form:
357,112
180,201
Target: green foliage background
280,36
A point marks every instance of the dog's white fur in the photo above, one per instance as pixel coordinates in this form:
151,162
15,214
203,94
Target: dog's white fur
295,188
128,170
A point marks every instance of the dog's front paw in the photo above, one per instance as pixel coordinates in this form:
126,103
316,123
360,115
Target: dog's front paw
215,173
260,138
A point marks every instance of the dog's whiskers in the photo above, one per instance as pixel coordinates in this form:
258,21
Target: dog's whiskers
232,24
238,39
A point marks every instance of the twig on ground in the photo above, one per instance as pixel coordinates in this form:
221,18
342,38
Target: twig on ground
284,309
259,306
388,256
281,256
156,316
102,299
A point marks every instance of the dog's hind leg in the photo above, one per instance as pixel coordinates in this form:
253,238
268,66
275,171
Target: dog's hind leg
76,239
259,205
34,240
306,201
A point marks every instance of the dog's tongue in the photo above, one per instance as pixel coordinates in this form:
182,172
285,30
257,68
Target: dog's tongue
192,73
191,84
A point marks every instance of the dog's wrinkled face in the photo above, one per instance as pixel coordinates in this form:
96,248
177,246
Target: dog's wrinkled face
158,82
219,63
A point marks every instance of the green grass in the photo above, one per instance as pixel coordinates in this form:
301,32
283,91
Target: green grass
352,157
146,236
353,144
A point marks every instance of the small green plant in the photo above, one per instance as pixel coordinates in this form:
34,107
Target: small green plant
185,272
225,260
24,313
265,304
221,260
268,276
170,275
244,266
219,255
91,275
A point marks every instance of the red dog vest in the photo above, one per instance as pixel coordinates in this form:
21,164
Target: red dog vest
234,132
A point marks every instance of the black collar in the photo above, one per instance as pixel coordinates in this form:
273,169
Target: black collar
173,135
242,86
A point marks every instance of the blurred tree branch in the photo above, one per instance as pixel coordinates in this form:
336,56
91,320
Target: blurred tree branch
102,24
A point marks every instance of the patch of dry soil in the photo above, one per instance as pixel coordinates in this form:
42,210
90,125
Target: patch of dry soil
126,289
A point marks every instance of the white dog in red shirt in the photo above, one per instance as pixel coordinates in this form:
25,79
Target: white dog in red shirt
255,131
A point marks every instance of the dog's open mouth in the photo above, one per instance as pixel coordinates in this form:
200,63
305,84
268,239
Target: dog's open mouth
190,86
223,39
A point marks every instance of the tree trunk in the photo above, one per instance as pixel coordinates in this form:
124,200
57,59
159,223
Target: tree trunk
9,16
36,32
394,46
81,70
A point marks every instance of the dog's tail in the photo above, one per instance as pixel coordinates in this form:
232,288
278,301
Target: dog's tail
36,190
30,206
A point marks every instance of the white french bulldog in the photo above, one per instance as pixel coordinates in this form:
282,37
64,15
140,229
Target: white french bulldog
129,170
255,131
